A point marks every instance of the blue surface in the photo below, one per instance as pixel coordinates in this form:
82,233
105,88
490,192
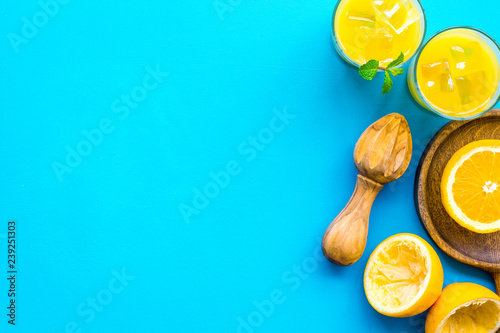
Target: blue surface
118,211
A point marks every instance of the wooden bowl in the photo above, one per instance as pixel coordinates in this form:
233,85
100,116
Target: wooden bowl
479,250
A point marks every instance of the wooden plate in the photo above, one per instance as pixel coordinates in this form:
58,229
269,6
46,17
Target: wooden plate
479,250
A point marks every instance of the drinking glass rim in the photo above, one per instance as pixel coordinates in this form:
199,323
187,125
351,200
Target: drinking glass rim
417,57
355,64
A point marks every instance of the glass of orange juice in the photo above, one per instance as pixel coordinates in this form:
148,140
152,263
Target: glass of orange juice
456,74
377,29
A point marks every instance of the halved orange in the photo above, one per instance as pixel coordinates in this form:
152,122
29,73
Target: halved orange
403,276
470,186
464,307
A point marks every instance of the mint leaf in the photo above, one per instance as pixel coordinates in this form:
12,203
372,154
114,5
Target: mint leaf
396,62
396,71
387,83
369,70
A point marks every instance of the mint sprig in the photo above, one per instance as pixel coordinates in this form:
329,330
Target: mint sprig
369,70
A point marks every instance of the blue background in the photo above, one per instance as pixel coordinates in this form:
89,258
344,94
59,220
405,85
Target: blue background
118,212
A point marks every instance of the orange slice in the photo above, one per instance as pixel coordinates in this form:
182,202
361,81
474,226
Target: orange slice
470,186
403,277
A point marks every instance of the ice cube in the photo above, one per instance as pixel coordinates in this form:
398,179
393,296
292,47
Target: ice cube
435,69
447,84
361,19
464,68
379,44
443,83
398,14
473,87
463,52
466,60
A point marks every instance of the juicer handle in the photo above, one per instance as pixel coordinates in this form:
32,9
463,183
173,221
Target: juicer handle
345,239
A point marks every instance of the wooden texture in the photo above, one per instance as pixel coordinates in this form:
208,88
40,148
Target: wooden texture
496,276
382,154
479,250
345,239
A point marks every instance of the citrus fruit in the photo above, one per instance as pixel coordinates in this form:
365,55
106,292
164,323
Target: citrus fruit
403,276
470,187
464,307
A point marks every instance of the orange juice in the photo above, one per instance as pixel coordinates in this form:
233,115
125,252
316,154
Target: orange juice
457,73
378,29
